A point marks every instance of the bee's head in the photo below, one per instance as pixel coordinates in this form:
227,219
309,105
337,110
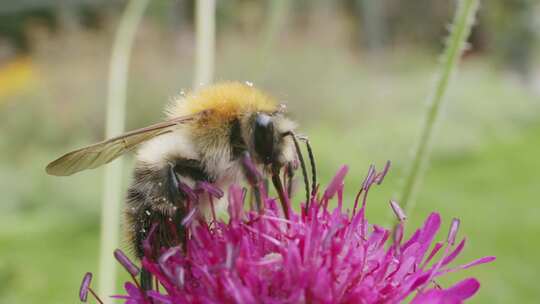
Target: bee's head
268,140
273,144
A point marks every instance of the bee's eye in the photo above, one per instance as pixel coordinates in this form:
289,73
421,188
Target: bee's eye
263,136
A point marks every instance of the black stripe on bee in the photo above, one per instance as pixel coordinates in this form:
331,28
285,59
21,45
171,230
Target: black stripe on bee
191,168
236,140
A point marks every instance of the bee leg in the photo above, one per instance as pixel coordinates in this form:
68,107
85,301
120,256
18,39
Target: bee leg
303,166
174,184
258,199
276,180
178,198
264,188
289,172
146,279
155,198
266,184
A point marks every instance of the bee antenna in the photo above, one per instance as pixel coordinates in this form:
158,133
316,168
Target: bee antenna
302,165
311,163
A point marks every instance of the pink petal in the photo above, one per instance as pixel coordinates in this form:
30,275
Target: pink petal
454,227
453,254
434,251
336,183
464,289
431,226
479,261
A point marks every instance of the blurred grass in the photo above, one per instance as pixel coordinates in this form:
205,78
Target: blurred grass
357,110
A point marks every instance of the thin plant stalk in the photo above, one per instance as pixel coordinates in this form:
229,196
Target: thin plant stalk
456,43
278,11
205,28
372,13
116,104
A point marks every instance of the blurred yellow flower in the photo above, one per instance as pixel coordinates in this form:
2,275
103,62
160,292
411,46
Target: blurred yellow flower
15,76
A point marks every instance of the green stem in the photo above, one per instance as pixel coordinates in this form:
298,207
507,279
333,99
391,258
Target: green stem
116,106
205,30
461,28
278,11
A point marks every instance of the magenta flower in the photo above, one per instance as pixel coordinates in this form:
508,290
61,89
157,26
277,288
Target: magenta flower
316,256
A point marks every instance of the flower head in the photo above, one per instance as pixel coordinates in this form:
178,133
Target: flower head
316,256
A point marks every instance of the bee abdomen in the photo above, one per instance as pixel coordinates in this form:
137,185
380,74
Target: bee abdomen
154,199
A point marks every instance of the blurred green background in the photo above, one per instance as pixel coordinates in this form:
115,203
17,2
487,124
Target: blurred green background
354,73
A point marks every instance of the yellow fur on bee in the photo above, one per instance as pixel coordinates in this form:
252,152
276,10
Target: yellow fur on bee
225,101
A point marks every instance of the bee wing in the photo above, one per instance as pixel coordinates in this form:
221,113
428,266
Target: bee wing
100,153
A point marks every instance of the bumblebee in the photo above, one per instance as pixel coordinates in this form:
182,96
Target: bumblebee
206,138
